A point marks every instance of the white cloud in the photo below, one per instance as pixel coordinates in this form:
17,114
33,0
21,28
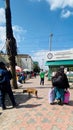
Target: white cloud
66,13
60,4
17,30
2,37
40,56
2,29
54,4
19,33
2,16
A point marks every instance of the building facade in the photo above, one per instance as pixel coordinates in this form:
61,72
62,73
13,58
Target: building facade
55,59
23,60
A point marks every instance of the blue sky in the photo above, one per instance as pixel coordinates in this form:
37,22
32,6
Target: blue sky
34,20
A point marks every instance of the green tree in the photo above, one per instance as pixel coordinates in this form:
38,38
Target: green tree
36,68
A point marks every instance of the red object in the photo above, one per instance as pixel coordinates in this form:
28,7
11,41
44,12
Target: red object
18,69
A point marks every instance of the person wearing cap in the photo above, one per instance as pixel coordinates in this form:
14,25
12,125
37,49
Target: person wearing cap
6,87
60,82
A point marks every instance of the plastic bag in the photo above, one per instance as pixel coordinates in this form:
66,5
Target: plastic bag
51,95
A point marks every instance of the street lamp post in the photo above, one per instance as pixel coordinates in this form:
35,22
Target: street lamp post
43,64
50,48
50,42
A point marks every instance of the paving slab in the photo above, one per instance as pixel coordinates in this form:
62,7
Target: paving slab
36,113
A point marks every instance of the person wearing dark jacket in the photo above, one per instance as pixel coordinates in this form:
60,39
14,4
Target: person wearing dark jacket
60,82
6,87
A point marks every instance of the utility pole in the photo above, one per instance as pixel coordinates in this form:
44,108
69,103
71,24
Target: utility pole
43,64
50,42
11,47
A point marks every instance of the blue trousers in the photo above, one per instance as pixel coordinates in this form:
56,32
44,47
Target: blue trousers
59,93
42,81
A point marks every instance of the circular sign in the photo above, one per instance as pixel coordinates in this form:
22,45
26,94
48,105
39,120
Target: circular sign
50,55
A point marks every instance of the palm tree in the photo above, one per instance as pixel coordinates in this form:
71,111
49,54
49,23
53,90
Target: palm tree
10,43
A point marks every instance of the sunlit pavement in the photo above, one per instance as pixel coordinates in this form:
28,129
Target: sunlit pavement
36,113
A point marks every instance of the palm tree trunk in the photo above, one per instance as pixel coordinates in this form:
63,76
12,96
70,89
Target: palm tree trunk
10,43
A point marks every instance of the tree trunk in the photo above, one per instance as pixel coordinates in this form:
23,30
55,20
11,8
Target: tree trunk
10,43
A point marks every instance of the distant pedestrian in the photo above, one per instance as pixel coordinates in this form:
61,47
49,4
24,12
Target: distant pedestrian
42,75
35,74
5,86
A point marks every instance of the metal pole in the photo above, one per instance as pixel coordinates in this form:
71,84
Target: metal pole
50,42
43,64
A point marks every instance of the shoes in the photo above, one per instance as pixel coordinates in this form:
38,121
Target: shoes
3,108
15,105
52,103
59,102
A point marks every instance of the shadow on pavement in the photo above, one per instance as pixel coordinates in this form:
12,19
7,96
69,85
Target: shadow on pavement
41,87
29,106
20,99
0,113
28,82
38,98
70,103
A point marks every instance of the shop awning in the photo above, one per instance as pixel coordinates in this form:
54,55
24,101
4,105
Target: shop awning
59,62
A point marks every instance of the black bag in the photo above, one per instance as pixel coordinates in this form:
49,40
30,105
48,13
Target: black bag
57,81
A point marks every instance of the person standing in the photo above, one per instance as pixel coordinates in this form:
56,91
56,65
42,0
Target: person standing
5,87
42,75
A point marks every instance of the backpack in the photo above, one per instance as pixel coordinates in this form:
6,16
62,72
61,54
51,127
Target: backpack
2,78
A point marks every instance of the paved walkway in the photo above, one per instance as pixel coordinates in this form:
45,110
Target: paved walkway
37,114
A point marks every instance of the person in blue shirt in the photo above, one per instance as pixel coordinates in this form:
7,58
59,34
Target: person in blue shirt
6,87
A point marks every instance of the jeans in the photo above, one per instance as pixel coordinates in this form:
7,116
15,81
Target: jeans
7,90
59,93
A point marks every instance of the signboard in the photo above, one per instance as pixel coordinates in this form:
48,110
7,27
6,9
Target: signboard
59,55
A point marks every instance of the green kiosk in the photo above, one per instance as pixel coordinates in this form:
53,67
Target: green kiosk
55,59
